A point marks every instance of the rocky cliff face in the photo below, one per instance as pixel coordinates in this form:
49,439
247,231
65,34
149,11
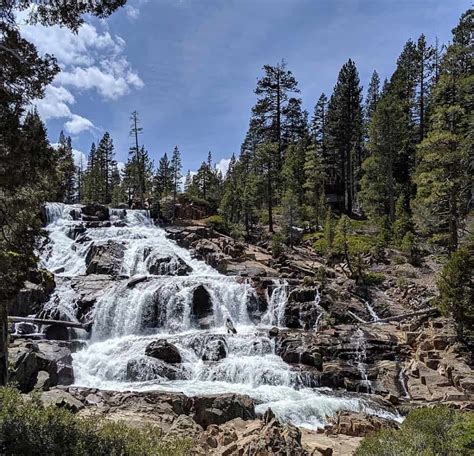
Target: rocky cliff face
165,317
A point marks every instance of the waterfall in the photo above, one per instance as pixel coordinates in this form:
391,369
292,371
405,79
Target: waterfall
277,299
128,317
371,311
361,357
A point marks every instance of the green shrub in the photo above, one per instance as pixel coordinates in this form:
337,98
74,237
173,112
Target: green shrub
456,291
29,428
437,431
218,223
373,278
277,245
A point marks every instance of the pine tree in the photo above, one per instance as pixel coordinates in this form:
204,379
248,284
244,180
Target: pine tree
295,122
290,215
392,141
373,96
163,182
456,291
66,170
273,90
138,166
265,157
176,167
314,183
105,161
344,135
443,174
318,125
187,181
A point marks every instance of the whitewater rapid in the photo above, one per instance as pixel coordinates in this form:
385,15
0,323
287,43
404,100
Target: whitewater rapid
121,323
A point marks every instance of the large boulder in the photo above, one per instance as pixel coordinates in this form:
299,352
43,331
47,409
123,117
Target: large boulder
167,265
147,368
95,211
161,349
89,289
215,350
61,399
105,258
357,424
218,409
30,298
28,359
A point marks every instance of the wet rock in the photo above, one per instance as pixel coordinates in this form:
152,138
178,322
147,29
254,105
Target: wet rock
218,409
201,306
105,258
89,289
357,424
25,328
136,280
273,332
161,349
56,332
168,266
101,213
147,368
215,350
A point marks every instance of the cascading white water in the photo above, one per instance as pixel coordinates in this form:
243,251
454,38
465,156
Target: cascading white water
371,311
127,318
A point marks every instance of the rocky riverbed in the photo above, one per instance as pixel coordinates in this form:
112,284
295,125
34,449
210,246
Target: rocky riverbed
302,374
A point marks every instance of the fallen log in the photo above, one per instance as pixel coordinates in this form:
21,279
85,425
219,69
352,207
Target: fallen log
430,311
42,321
360,320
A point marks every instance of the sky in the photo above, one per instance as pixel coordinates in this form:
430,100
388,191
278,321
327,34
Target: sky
189,67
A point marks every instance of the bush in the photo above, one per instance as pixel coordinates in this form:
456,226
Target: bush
437,431
456,291
29,428
277,245
217,223
373,278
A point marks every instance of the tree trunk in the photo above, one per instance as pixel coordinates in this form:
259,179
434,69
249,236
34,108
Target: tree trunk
3,343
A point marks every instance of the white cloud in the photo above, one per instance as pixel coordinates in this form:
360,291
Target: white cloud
132,12
78,124
223,165
91,60
55,103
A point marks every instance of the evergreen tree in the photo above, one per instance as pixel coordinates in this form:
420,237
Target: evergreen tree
293,177
187,181
456,291
137,162
290,215
295,122
66,170
373,96
314,183
176,167
443,174
265,157
392,141
163,182
105,161
273,90
344,135
318,125
425,67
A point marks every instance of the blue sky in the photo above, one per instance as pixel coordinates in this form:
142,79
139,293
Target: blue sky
189,67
